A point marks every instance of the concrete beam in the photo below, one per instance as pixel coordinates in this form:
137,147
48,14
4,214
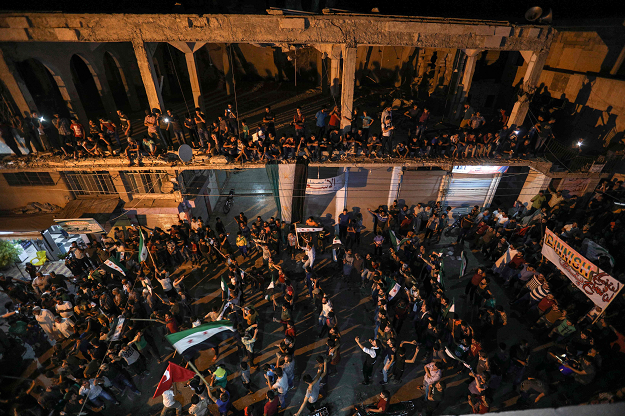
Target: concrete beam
347,86
16,86
144,54
365,29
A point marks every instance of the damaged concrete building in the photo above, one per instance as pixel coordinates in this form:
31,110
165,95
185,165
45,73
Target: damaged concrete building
90,65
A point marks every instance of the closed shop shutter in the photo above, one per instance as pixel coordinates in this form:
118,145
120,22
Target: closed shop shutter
467,190
420,186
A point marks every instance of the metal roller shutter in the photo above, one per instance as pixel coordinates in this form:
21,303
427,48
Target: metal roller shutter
467,190
420,186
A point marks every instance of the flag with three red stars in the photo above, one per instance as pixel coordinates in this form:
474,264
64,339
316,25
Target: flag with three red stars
202,337
173,373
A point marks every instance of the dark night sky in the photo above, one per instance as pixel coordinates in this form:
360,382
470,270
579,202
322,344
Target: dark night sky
510,10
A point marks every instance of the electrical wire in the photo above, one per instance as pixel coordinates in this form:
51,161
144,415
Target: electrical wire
178,78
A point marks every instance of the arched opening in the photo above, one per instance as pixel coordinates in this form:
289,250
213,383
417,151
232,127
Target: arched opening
116,82
86,88
43,88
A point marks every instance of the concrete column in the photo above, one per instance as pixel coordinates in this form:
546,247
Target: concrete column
144,52
393,192
535,63
16,86
347,88
335,72
534,182
188,48
196,86
467,78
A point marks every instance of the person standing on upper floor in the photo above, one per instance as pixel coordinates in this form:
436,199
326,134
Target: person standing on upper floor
321,121
466,118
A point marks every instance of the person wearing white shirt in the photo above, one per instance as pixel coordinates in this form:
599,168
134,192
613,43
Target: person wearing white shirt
168,287
46,321
281,386
326,308
64,326
169,402
65,309
94,392
199,407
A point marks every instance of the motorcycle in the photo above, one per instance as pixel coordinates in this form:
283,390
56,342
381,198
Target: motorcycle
229,202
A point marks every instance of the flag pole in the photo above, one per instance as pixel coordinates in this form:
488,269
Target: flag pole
192,367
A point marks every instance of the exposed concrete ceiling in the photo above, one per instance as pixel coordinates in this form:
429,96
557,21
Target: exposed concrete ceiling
344,29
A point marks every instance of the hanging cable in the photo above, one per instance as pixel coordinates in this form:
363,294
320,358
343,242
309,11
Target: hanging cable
178,78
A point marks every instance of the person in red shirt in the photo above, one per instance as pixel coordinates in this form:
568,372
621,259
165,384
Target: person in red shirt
271,407
474,283
382,404
299,123
78,130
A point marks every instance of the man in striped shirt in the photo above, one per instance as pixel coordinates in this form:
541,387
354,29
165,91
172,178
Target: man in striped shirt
534,296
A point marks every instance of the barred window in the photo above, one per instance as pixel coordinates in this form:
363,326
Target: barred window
90,183
28,179
145,182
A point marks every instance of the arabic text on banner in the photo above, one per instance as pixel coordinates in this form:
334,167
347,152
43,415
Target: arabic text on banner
324,186
599,286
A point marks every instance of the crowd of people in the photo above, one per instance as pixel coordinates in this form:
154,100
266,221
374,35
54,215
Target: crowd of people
391,134
96,356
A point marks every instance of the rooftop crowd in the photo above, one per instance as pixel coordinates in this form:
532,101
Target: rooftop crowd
415,323
410,134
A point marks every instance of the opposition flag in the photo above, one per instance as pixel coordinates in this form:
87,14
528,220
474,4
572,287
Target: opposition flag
173,373
202,337
113,266
143,250
463,264
395,243
392,288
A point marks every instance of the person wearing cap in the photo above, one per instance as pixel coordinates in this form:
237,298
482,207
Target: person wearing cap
46,321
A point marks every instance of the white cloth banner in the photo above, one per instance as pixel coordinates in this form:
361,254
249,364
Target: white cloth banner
599,286
286,183
324,186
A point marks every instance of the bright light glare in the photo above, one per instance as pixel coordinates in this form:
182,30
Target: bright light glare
517,131
579,143
40,118
166,120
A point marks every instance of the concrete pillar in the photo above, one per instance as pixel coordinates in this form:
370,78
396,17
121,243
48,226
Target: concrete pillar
393,192
196,86
335,72
16,86
188,48
534,182
347,88
144,53
467,78
535,63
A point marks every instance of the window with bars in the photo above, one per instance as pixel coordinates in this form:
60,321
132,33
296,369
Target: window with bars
146,182
90,183
28,179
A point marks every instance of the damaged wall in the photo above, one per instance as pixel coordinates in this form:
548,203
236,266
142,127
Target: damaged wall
57,193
